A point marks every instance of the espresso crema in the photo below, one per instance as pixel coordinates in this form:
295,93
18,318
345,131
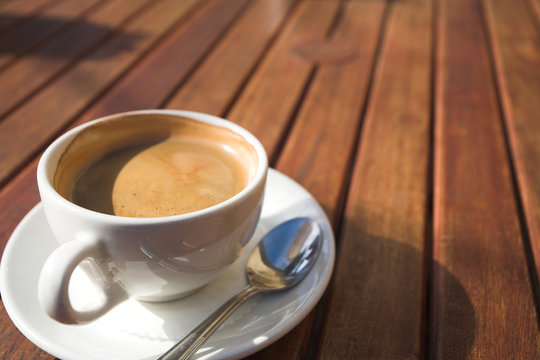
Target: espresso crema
167,167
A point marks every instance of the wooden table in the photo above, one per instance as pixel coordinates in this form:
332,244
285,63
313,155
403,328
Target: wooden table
414,123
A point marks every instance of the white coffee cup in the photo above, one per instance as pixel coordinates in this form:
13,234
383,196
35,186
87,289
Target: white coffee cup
149,258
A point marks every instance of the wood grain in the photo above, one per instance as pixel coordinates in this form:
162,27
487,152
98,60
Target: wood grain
312,145
13,345
379,278
515,39
42,64
477,235
318,155
214,84
341,93
265,107
25,131
268,101
158,75
38,28
22,195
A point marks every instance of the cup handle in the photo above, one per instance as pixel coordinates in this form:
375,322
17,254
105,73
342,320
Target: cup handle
56,274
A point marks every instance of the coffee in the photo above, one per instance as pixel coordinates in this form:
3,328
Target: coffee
173,167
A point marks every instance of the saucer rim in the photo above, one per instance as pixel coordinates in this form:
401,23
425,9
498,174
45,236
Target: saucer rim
241,350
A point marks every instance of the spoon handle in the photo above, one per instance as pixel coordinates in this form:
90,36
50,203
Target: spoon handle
186,347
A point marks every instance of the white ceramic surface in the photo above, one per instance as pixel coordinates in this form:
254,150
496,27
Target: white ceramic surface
137,330
152,259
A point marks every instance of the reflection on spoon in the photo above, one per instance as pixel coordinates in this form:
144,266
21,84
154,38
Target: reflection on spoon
282,259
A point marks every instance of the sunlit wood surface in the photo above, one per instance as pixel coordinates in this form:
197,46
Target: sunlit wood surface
414,123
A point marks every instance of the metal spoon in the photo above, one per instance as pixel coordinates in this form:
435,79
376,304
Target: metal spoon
281,260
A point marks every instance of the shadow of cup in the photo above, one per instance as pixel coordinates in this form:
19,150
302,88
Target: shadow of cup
378,308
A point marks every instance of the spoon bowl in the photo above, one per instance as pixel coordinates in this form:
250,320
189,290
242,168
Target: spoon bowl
281,260
285,255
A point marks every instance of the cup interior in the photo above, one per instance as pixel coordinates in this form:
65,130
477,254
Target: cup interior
133,136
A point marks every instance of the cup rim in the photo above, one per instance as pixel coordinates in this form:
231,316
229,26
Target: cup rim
45,184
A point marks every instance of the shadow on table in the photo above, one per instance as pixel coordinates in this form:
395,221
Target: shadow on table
54,37
375,298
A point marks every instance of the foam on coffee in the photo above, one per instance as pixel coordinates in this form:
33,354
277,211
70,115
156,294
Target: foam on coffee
141,167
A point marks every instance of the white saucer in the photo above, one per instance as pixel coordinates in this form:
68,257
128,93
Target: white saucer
136,330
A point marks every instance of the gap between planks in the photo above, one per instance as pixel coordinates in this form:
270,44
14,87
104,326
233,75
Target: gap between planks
511,142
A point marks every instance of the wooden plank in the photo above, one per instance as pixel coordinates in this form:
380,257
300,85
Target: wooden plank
268,101
249,37
312,145
40,65
318,155
31,32
25,131
515,39
265,107
15,346
375,307
14,12
17,197
153,79
482,299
